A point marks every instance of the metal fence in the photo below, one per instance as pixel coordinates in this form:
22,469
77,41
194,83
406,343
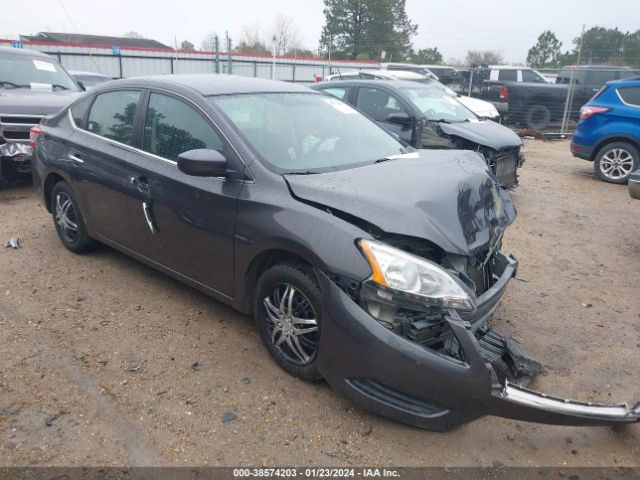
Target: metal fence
123,62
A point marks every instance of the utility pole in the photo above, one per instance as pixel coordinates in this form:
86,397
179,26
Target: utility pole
569,102
273,68
216,43
229,65
330,43
175,41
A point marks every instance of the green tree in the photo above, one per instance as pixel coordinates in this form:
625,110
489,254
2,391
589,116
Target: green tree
426,56
354,27
546,52
608,46
187,45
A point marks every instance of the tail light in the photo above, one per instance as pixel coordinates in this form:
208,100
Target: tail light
504,93
34,133
588,111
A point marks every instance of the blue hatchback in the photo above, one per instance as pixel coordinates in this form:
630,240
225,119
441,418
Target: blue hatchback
608,133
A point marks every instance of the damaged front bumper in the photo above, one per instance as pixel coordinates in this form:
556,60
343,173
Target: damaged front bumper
435,389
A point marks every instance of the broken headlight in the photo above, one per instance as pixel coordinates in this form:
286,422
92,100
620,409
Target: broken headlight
418,278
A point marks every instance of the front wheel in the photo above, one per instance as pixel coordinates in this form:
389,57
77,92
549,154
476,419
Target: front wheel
616,161
287,309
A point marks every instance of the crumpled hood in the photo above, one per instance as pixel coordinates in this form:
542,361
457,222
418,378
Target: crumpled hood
447,197
34,102
487,133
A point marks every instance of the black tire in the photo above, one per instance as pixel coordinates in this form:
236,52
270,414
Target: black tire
63,202
620,175
291,351
537,117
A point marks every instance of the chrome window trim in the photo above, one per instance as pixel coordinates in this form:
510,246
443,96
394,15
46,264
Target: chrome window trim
152,155
622,99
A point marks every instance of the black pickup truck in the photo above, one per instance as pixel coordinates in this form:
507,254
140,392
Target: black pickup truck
537,104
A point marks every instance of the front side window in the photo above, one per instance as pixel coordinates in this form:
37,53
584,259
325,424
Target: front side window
378,104
532,76
437,105
339,92
305,132
112,115
172,127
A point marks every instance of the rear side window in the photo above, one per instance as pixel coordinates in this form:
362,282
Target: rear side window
630,95
378,104
508,75
172,127
112,115
79,111
531,76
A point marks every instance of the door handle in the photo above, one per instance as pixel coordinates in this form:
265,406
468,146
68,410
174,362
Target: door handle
148,215
141,184
75,158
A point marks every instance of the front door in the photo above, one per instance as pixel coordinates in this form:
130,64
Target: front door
184,223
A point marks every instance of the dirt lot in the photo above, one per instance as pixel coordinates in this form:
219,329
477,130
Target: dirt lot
103,361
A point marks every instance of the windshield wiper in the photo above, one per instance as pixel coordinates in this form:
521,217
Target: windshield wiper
308,172
440,120
5,83
57,85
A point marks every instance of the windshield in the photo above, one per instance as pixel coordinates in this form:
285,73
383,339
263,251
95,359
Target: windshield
37,73
437,105
305,132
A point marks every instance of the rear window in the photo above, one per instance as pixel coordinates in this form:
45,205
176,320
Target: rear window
599,77
630,95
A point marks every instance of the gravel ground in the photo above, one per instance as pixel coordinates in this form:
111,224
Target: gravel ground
104,361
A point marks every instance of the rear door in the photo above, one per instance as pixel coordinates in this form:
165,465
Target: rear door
101,154
379,104
184,223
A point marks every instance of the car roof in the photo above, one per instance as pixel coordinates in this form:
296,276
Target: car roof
208,84
626,82
24,52
93,74
390,84
595,67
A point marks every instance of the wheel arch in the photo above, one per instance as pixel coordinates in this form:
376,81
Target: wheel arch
261,263
618,137
52,179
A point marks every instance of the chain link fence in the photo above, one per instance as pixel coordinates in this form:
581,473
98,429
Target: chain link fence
546,101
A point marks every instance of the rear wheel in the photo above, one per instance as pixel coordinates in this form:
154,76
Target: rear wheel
68,219
537,117
287,309
616,161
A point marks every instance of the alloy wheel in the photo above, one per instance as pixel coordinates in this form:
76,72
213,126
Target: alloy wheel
616,164
66,217
292,323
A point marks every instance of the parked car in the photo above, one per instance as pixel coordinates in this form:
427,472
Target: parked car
634,185
481,108
32,85
608,133
364,262
410,67
426,117
89,80
527,99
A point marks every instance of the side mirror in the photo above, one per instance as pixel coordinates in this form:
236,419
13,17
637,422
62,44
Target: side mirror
203,163
400,118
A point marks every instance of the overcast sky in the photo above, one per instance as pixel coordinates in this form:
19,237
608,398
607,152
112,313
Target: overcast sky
454,26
